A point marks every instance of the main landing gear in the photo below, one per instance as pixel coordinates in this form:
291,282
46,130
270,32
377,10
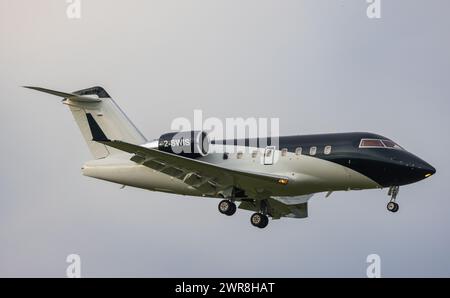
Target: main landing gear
259,220
392,206
227,207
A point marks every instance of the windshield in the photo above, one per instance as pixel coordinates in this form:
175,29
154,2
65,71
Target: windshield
378,143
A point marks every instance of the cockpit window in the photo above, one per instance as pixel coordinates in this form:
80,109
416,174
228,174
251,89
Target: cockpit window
371,143
377,143
390,144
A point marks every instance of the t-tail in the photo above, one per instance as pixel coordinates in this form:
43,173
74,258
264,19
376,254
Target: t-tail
97,103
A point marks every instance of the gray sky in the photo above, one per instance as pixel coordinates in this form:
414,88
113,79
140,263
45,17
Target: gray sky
319,65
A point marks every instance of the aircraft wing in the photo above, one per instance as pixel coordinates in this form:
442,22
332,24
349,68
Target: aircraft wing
205,177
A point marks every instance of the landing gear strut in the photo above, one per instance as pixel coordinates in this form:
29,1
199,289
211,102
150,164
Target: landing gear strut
227,207
392,205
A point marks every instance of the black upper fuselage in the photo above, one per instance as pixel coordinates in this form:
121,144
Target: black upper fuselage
386,166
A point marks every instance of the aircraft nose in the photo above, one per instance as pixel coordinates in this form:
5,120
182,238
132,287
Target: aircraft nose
425,169
430,170
405,168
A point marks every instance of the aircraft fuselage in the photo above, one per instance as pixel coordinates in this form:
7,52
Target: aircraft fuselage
313,163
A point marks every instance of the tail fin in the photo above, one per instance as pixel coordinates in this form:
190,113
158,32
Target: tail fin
98,104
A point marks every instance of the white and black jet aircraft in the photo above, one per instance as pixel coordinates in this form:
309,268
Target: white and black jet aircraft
275,181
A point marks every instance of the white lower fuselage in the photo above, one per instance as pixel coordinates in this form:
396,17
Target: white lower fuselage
306,174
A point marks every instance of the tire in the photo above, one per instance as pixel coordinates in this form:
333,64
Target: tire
396,208
264,223
392,207
259,220
232,210
227,207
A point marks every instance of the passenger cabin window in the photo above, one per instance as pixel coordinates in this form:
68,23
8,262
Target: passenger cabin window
284,152
254,153
298,151
327,150
239,155
313,151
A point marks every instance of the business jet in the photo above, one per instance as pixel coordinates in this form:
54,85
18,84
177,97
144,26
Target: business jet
272,180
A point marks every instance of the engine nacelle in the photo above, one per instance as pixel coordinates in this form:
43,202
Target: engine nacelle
191,144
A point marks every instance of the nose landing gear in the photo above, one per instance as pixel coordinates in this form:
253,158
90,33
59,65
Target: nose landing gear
392,206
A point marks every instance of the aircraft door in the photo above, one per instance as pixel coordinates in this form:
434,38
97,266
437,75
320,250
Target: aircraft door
269,155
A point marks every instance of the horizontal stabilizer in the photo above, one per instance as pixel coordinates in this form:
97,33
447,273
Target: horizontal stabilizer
71,96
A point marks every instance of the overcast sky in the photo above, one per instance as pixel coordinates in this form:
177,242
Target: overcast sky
318,65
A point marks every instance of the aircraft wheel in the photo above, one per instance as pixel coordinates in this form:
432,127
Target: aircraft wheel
227,207
259,220
393,207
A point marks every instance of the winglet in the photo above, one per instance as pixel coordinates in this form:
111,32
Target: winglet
97,133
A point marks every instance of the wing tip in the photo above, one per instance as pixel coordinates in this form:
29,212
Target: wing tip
30,87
